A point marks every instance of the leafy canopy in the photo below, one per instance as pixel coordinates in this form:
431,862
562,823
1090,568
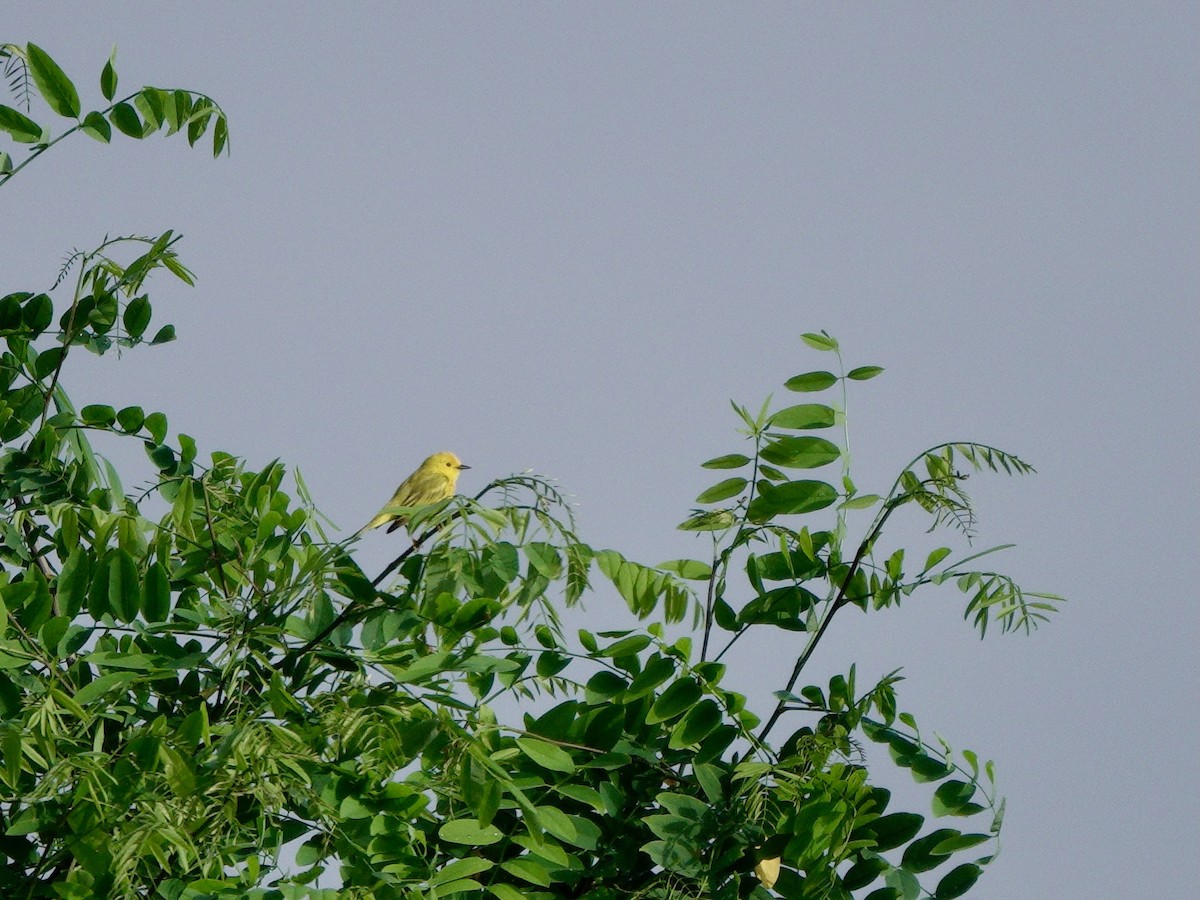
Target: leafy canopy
203,695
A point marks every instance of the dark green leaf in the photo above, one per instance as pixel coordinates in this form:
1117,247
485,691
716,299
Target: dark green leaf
73,582
790,498
723,490
38,313
126,119
957,881
862,373
892,830
137,316
950,798
701,720
98,414
124,588
863,872
131,419
164,335
804,416
108,76
729,461
55,86
220,136
919,856
48,360
811,381
20,127
801,452
675,700
156,596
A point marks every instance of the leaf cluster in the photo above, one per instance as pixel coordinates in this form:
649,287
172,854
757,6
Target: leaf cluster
203,695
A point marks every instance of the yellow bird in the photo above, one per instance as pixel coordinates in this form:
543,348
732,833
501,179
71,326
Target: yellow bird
433,481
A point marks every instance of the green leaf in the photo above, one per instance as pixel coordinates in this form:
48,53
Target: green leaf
820,341
689,569
98,414
38,313
729,461
527,869
96,126
126,119
48,360
804,416
892,830
723,490
810,382
675,701
53,83
629,646
19,126
137,316
73,582
919,856
862,373
156,596
102,685
460,868
548,756
790,498
709,520
951,798
801,452
701,720
961,842
957,881
470,832
6,165
108,76
131,419
164,335
124,588
156,424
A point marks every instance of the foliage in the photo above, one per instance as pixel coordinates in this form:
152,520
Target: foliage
202,695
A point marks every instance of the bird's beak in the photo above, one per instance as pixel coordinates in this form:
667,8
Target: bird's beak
463,466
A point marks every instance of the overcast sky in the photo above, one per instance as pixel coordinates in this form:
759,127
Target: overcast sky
562,237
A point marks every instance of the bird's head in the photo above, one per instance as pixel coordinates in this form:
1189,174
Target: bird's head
444,463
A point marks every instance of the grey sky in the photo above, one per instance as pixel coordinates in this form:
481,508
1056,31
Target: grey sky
563,236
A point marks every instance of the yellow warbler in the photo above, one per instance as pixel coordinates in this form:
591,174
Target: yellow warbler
434,480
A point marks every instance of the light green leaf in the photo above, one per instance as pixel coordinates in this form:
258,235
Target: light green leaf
820,341
470,832
96,126
548,756
723,490
19,126
690,569
729,461
804,416
862,373
801,452
527,869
